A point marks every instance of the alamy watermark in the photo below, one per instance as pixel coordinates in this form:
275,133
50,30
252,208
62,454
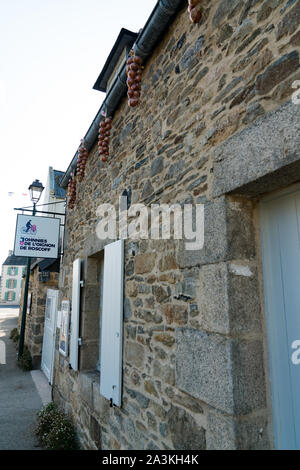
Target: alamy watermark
157,222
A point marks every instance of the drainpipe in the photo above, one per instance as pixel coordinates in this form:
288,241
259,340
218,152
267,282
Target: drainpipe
160,18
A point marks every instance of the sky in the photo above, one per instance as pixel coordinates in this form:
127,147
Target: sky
51,53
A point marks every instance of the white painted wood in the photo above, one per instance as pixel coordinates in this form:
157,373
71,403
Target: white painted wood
112,323
280,233
75,316
49,334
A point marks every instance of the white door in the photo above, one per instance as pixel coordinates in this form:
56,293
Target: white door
49,333
280,217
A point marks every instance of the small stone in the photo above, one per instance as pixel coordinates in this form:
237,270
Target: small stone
149,388
165,339
253,112
175,314
289,23
127,309
228,89
225,8
217,112
295,40
167,263
186,434
157,166
135,354
147,190
225,32
277,72
164,372
266,9
144,263
160,293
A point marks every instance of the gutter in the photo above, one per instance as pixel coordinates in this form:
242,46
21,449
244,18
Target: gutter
160,18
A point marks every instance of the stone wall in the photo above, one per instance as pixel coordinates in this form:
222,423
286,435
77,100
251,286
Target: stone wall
215,125
34,331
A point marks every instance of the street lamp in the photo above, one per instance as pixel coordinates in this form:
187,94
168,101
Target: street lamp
35,189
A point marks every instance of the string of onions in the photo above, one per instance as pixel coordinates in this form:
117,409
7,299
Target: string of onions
104,138
194,10
134,70
81,161
71,192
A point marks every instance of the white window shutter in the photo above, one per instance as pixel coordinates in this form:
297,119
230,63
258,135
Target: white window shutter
75,316
112,323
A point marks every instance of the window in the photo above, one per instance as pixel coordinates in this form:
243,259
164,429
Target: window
12,271
10,296
11,283
100,322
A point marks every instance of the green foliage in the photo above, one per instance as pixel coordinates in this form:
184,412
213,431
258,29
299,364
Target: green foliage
14,335
25,361
55,430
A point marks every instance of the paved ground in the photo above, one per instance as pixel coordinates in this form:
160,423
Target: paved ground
22,394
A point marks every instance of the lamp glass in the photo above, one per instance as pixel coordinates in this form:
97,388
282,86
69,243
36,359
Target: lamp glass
36,189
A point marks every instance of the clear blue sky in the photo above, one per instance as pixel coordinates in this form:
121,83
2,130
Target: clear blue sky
51,53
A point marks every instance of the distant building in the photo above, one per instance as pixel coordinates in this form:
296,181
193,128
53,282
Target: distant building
54,197
12,278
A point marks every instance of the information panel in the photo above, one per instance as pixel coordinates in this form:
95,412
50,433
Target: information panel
37,237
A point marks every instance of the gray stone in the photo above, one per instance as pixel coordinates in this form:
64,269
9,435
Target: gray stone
136,439
139,397
174,170
221,432
203,367
116,183
147,190
260,158
248,41
228,303
225,32
228,89
289,23
254,111
228,234
135,354
252,433
248,376
217,112
228,433
165,373
190,58
226,374
266,9
185,433
127,309
185,290
277,72
157,166
85,382
225,8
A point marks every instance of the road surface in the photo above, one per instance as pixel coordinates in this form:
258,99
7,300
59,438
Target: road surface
22,394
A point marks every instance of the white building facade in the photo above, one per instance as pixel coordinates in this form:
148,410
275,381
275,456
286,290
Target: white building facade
13,270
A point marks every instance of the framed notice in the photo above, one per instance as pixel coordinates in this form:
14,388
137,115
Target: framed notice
36,237
64,329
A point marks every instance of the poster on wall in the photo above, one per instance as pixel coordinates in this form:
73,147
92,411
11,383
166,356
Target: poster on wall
36,237
64,328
